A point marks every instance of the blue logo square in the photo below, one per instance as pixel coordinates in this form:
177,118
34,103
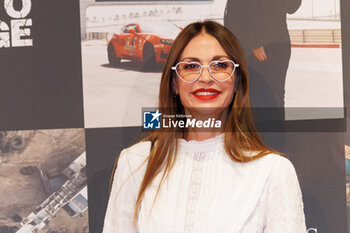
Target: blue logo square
151,119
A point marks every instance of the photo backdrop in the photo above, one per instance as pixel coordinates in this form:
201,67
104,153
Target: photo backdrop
44,187
314,130
43,173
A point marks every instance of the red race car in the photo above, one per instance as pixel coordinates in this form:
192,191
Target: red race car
147,42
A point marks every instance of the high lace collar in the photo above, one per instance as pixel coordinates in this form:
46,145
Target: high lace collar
208,145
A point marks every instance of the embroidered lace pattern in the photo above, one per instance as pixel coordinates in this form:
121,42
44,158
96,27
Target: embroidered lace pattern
193,191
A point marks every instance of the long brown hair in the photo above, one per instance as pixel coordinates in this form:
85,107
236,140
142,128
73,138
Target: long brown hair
240,134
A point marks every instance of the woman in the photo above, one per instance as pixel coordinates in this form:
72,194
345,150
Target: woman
205,181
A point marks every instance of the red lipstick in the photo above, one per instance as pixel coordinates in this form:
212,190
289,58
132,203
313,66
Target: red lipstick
206,93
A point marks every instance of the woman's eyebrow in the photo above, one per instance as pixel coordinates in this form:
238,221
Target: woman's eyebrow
220,56
198,60
191,58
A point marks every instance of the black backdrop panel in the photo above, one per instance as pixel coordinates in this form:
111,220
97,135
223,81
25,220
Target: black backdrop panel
345,17
41,80
319,162
102,149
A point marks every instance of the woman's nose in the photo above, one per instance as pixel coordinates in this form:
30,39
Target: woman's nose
205,75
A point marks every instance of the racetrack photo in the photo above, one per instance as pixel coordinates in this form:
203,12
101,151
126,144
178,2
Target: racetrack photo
119,82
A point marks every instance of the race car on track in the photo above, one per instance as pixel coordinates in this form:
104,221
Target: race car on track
147,42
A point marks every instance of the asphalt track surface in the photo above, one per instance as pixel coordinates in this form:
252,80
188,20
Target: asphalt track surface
114,97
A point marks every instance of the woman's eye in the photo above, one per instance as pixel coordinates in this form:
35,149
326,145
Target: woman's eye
191,66
220,64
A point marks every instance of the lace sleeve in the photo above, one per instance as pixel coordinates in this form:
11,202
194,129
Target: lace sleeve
284,212
121,204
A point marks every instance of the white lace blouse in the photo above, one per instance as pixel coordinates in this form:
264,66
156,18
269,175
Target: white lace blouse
206,192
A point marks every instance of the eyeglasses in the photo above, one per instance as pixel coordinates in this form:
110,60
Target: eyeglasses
190,72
